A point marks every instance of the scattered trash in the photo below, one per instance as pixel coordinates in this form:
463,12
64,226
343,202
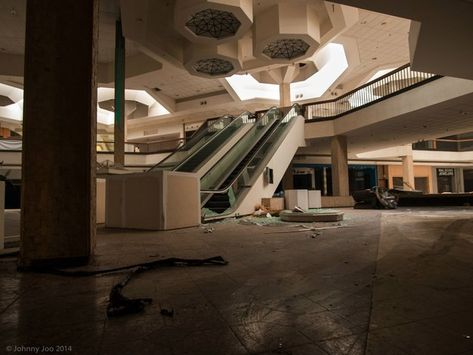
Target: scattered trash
167,313
298,209
209,230
375,198
264,220
119,305
247,222
308,229
314,235
259,212
262,212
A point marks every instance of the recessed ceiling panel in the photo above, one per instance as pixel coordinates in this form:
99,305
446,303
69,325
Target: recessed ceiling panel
213,66
286,48
213,23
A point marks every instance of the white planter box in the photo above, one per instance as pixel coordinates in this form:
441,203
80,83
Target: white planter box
160,200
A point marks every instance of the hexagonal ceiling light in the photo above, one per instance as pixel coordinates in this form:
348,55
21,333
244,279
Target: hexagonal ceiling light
289,48
213,66
285,33
213,21
212,61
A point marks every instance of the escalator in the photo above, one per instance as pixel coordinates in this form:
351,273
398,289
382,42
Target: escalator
218,203
219,172
205,132
222,197
203,144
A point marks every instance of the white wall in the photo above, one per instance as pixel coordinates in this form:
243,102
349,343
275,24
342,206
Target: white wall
279,163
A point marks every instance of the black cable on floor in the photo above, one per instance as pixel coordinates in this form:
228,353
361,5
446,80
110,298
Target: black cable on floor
118,304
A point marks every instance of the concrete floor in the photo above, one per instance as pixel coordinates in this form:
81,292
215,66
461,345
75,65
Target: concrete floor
388,282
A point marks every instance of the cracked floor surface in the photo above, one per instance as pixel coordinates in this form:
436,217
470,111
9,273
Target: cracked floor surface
387,282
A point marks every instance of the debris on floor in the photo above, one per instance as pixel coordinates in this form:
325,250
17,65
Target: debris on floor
209,230
375,198
298,209
261,221
120,305
261,211
307,229
317,215
167,312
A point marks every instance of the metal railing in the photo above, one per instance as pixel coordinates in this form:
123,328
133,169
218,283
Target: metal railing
388,85
163,146
445,145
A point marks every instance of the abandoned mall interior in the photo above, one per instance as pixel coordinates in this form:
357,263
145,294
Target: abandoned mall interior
235,177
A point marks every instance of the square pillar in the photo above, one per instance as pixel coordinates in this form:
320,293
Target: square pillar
284,95
340,182
119,129
59,133
408,179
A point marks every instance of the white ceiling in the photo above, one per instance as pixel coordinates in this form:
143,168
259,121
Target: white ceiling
178,83
378,36
381,39
440,36
13,20
381,42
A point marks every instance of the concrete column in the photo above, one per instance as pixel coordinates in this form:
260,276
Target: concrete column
2,215
284,95
340,185
408,173
59,132
120,122
288,179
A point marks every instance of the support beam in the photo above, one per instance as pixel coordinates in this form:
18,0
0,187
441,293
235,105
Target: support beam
340,185
120,121
408,180
284,95
59,133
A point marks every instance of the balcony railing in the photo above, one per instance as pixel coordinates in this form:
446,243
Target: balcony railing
163,146
445,145
388,85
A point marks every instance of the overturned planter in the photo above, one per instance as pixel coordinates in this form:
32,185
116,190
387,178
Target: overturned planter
158,200
311,216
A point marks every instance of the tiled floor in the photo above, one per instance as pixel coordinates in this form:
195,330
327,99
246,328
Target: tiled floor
387,282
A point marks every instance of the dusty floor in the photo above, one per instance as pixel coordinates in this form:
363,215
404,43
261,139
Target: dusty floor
394,282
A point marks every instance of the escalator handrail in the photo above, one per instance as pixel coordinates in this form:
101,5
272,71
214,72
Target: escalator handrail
225,189
264,121
247,113
181,148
